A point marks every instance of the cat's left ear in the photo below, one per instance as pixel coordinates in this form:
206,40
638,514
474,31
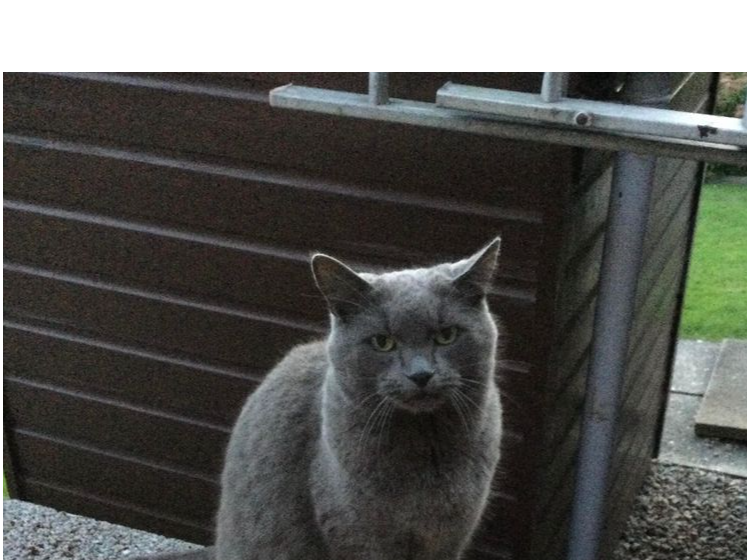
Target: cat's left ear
475,281
346,292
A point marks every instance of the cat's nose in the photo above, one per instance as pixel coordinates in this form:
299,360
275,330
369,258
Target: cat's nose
420,378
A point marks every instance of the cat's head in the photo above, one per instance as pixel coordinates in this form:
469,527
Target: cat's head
413,336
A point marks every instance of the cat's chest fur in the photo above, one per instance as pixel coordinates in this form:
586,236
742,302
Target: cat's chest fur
421,452
417,480
418,467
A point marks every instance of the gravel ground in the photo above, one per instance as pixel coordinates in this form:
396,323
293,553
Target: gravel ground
686,513
39,533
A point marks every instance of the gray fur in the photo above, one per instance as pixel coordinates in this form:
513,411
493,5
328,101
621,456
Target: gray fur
339,455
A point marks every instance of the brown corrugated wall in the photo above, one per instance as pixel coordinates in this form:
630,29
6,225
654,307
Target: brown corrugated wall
157,234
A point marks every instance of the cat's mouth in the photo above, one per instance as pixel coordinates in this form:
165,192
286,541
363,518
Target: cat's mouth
420,402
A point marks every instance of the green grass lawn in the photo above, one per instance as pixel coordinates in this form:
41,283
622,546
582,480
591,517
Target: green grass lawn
716,293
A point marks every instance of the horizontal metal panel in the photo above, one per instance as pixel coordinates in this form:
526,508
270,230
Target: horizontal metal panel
90,505
219,269
223,335
135,375
135,112
264,208
116,478
176,443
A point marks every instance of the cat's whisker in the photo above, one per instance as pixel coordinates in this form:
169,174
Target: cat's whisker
388,412
368,426
498,363
512,399
458,406
353,426
384,418
357,407
505,396
478,407
474,382
473,386
480,362
480,384
364,401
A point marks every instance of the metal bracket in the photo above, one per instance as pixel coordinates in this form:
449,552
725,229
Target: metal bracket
612,118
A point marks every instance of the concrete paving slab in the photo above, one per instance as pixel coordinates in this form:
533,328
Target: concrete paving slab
723,412
680,445
693,363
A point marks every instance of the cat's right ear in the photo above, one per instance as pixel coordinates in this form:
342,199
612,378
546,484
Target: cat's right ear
474,282
346,292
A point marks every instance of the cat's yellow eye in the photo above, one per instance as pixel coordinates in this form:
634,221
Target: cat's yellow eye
446,336
383,342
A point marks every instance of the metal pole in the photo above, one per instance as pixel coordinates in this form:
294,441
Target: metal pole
378,88
554,86
633,177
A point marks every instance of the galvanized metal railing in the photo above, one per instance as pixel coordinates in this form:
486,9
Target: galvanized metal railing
548,116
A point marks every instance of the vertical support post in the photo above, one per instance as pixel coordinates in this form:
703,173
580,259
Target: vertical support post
378,88
744,109
554,86
633,177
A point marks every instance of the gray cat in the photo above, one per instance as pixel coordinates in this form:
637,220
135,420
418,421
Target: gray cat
381,442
